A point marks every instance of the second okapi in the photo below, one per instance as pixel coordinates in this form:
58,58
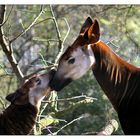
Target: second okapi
20,116
119,79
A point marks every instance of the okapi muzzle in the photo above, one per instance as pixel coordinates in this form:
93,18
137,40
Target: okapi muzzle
78,58
58,84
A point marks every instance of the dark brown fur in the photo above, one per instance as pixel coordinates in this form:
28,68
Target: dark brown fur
121,83
18,119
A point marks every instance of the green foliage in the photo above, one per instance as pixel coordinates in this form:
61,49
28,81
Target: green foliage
39,46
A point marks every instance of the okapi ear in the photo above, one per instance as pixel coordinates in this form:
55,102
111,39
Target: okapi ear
92,35
13,96
86,25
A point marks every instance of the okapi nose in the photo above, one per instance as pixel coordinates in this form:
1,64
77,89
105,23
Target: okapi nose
58,84
53,71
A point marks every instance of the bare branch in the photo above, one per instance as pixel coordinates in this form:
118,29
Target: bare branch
58,114
7,48
43,21
111,127
7,16
62,46
41,69
28,28
77,119
72,107
57,28
68,30
45,40
69,99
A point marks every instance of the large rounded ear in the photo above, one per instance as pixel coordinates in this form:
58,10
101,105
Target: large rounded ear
92,35
86,25
13,96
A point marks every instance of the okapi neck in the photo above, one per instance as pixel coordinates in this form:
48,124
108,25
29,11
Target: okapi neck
115,76
28,106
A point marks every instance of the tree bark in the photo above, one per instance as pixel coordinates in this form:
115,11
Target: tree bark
111,127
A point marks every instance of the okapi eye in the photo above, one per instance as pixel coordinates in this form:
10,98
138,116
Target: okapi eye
71,61
38,81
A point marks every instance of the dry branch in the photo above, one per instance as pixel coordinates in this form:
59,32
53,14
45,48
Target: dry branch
57,28
62,45
29,27
79,118
7,17
61,42
7,48
69,99
111,127
72,107
58,114
35,72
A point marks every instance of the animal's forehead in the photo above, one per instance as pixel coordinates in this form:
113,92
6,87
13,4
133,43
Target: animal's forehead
69,51
30,81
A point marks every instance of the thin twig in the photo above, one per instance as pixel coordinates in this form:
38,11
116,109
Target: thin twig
42,110
62,46
62,120
69,99
41,69
45,40
43,21
59,114
77,119
68,31
7,48
29,27
72,107
57,28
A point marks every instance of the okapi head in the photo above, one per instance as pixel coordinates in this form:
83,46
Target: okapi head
32,91
79,57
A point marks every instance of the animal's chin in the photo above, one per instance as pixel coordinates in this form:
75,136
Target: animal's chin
58,85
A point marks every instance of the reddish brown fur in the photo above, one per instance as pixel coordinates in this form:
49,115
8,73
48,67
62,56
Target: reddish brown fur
119,79
79,42
106,51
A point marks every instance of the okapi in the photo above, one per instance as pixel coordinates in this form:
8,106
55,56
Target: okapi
119,79
19,118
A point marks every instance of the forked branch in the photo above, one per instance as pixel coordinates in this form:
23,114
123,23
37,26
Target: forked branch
6,47
29,27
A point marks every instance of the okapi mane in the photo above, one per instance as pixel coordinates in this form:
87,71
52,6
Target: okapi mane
18,120
118,78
